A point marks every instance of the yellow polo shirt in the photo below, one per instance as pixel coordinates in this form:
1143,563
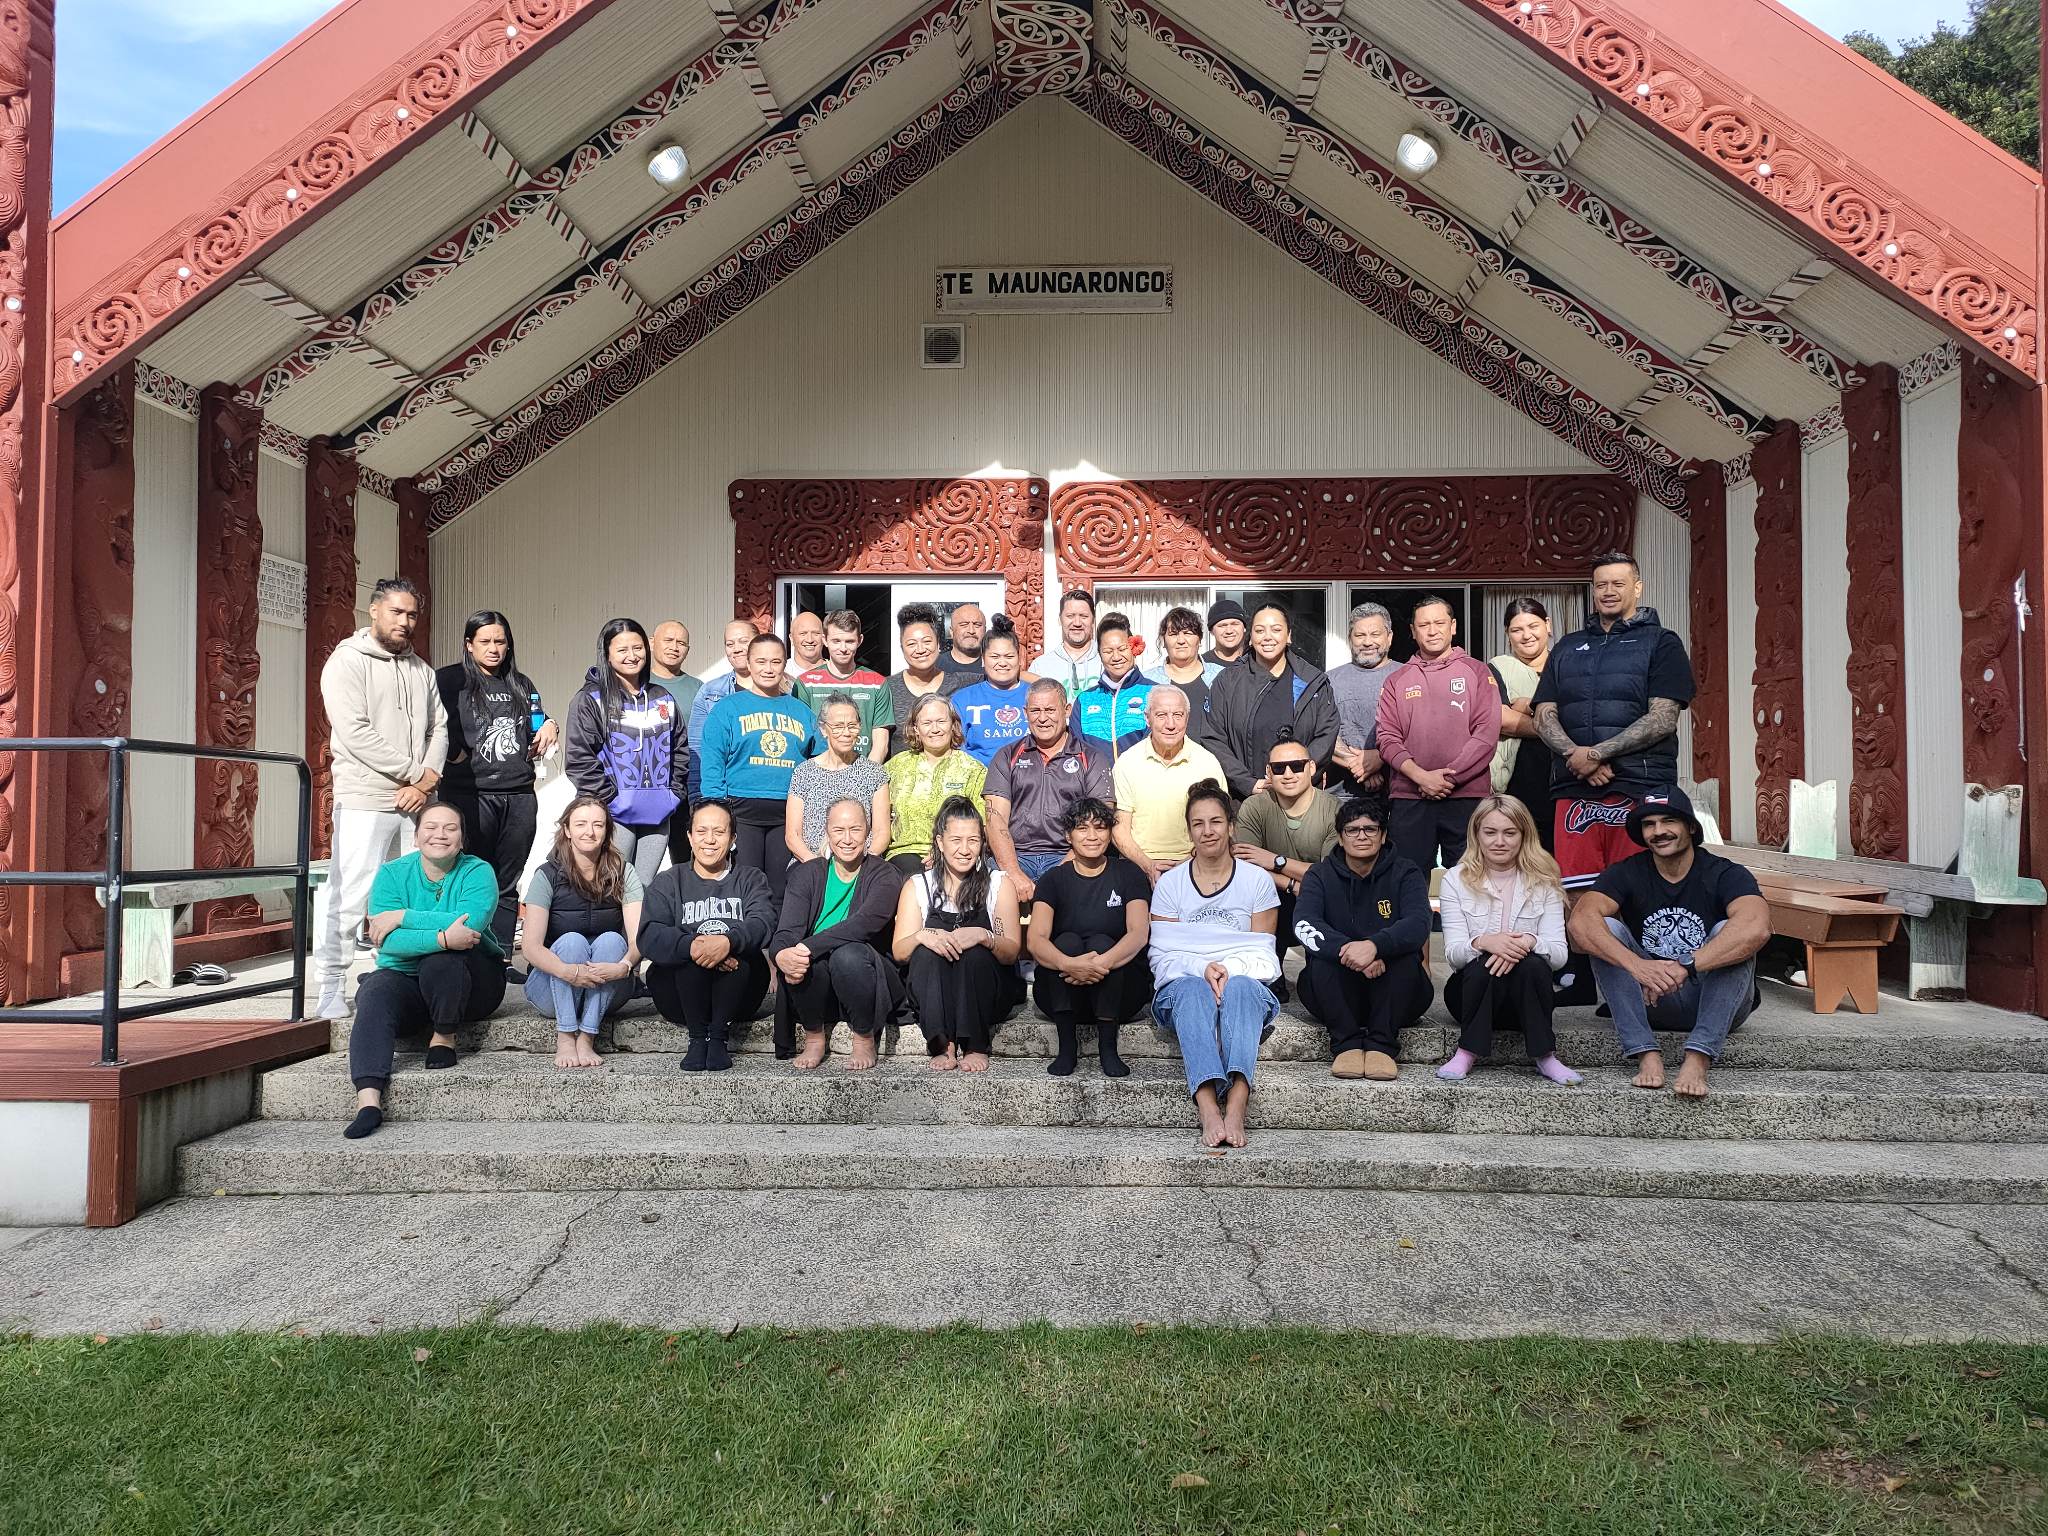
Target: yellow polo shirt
1154,790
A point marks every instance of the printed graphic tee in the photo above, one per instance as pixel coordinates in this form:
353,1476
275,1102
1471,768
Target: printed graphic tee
1671,921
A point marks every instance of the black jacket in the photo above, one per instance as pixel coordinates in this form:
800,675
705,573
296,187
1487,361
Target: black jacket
867,921
1389,906
681,905
1234,699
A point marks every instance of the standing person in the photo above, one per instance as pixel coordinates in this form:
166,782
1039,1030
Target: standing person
1152,782
496,731
929,771
839,772
1521,763
806,643
1356,767
1363,921
1180,638
957,937
1439,723
1673,933
1607,706
671,652
966,626
1110,712
708,921
823,948
624,747
924,674
582,924
754,743
1287,827
841,672
388,734
1074,662
739,634
1211,946
1226,632
991,710
438,967
1091,919
1503,912
1032,785
1272,692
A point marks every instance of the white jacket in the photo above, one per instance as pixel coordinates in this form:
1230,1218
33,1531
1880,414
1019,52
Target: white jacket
386,724
1539,910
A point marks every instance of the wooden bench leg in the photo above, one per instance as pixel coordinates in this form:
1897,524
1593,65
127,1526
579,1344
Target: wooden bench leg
1937,947
148,946
1835,971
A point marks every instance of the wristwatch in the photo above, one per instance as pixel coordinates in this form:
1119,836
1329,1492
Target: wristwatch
1279,862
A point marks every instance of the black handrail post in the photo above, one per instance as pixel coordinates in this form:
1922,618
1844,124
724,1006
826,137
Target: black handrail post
117,860
302,893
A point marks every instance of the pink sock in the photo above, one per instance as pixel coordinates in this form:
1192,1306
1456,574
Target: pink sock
1455,1069
1557,1071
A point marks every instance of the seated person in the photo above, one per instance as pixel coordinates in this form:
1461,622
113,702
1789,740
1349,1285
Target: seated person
833,914
1090,920
1363,921
1212,957
1152,782
929,771
438,963
1287,827
1503,911
1032,784
708,922
1672,933
578,926
957,939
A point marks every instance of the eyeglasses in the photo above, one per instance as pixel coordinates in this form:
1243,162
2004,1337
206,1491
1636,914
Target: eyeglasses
1363,829
1290,766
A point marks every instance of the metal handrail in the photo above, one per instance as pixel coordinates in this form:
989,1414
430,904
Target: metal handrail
111,1014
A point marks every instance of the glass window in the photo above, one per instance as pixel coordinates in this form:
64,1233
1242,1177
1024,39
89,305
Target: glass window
1401,601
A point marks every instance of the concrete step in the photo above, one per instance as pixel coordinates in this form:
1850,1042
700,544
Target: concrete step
1757,1104
277,1157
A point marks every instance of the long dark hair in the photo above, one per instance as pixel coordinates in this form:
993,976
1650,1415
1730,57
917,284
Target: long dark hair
608,680
474,675
975,883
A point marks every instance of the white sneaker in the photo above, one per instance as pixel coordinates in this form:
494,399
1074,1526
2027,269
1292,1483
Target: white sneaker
332,1003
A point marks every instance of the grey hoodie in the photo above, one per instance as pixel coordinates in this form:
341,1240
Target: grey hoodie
386,723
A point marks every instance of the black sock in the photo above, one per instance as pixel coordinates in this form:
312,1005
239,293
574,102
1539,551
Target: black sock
367,1119
717,1053
1105,1046
439,1056
1070,1047
693,1058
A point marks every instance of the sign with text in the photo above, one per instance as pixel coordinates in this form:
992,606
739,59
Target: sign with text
1054,290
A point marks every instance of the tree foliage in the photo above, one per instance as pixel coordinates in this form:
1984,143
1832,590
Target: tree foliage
1988,73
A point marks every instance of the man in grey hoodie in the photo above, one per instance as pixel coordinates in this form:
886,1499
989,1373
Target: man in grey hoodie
388,739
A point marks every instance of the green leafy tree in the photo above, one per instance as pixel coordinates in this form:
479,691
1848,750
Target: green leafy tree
1988,73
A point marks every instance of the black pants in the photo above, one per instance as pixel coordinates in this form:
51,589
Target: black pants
1522,999
697,998
1421,828
856,983
498,827
452,988
1116,999
1364,1015
907,864
959,1002
758,843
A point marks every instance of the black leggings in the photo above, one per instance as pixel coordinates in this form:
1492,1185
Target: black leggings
498,827
452,988
697,998
1364,1015
758,844
856,983
959,1002
1522,999
1116,999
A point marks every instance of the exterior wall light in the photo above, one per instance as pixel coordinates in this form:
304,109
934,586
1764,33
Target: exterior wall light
668,164
1417,153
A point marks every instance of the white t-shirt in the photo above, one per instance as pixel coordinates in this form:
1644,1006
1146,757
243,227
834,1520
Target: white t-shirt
924,881
1249,890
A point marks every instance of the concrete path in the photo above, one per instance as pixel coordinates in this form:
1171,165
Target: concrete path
1470,1265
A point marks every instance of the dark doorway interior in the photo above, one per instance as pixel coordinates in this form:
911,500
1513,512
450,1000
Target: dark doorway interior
1401,601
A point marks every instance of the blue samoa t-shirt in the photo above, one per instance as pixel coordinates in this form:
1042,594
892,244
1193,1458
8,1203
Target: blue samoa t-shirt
990,718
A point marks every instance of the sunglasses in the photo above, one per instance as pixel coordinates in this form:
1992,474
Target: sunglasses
1288,767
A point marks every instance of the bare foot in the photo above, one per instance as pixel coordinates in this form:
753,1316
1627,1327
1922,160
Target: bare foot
863,1057
1692,1076
1649,1070
973,1061
1213,1130
1233,1114
565,1051
815,1043
586,1052
946,1060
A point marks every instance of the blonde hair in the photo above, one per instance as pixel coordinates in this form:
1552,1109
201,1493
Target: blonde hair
1536,867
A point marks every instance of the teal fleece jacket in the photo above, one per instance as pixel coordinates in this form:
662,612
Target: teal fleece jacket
469,890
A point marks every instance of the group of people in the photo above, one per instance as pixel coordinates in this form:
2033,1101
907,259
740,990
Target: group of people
934,844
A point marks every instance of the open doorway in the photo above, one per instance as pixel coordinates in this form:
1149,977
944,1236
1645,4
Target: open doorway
877,603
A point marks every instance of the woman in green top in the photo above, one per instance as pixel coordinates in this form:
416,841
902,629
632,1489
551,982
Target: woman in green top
925,777
438,963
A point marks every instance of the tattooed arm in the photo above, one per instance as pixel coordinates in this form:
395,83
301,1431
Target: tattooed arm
1660,723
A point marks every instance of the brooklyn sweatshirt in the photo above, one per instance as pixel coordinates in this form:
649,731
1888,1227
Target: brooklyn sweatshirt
682,905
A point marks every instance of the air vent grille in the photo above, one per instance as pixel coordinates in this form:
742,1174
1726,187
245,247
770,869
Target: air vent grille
944,346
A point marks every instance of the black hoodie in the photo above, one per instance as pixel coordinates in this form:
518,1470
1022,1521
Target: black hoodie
1389,906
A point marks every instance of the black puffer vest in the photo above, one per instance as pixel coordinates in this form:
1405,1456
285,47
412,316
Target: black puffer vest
1602,678
570,911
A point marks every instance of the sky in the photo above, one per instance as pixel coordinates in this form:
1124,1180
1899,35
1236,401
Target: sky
128,71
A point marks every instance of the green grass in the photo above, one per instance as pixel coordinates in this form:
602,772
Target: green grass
610,1429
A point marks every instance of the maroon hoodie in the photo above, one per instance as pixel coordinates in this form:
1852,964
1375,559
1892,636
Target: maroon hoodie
1445,714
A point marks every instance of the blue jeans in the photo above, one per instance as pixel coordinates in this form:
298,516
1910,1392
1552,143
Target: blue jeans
1216,1043
577,1008
1035,865
1708,1007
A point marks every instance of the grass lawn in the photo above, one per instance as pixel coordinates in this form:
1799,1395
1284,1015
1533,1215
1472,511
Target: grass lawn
513,1430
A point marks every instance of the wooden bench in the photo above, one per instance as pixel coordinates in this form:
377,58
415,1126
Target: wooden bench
150,913
1843,929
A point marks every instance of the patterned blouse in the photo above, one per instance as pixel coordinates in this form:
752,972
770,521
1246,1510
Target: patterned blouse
918,785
